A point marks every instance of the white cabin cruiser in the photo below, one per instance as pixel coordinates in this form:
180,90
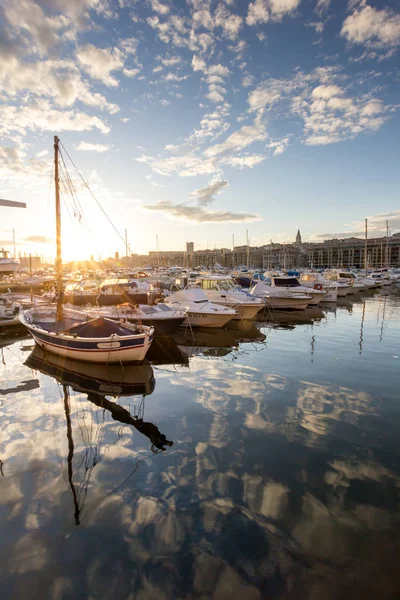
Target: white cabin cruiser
345,279
293,285
317,282
280,298
8,265
222,290
200,312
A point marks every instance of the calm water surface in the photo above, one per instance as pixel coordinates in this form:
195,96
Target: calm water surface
239,465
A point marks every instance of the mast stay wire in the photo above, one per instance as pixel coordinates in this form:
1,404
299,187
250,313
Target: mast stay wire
95,199
76,207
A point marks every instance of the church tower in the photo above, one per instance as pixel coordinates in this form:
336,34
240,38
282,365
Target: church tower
298,238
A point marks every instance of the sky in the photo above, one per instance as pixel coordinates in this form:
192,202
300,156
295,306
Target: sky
196,120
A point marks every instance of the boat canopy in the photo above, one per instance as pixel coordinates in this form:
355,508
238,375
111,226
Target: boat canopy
98,328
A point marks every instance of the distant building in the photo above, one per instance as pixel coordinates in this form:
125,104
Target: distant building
347,252
30,262
189,254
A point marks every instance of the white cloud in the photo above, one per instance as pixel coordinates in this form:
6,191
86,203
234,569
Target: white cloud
247,80
241,161
261,11
173,61
56,79
326,91
258,12
372,27
279,146
198,214
159,7
131,72
240,139
265,95
205,196
198,64
215,96
88,147
230,23
100,62
220,70
174,77
329,112
40,115
279,8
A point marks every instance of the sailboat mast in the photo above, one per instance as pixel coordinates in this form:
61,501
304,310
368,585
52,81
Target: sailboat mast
366,248
58,223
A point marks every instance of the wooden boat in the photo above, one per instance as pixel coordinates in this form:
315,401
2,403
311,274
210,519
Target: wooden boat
79,337
73,334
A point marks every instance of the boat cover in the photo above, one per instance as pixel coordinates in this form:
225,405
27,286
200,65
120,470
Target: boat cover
99,328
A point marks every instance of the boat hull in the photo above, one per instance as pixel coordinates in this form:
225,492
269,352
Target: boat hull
89,351
203,319
246,311
162,326
281,303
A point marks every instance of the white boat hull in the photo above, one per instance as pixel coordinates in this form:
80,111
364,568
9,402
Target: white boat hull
245,312
111,349
203,319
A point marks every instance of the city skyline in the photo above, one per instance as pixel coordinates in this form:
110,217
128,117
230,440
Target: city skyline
198,120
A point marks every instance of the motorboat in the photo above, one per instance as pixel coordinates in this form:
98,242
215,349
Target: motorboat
317,282
293,285
78,293
280,298
78,336
163,318
8,265
118,291
383,277
222,290
9,311
348,285
200,312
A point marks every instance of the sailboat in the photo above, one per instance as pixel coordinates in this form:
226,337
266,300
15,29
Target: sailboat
73,334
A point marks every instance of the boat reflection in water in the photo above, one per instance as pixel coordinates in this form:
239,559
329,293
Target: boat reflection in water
216,342
98,382
287,320
111,380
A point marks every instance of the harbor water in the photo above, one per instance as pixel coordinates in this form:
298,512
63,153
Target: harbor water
259,463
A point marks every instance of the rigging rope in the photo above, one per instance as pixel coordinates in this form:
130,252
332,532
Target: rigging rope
95,199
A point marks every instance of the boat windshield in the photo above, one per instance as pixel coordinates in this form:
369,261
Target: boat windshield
217,284
309,277
286,282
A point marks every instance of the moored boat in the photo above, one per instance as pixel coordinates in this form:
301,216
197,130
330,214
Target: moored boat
221,289
79,337
200,312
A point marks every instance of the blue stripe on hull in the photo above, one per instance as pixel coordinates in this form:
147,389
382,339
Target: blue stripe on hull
88,346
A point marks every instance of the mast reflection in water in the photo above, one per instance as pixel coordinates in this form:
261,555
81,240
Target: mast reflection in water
97,381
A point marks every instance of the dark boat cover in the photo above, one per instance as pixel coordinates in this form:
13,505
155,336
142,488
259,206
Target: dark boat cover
98,328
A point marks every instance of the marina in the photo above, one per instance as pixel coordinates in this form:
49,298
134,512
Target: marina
262,460
199,300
